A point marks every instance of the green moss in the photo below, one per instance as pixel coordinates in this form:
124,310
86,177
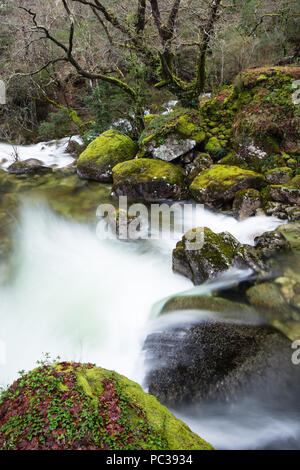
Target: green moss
215,147
188,129
147,169
186,123
149,117
223,175
74,406
219,183
213,255
101,155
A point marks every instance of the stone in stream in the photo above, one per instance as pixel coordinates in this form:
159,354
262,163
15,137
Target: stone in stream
147,179
214,253
88,408
29,166
102,154
221,361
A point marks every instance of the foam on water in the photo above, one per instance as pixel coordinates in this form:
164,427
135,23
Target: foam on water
86,299
50,153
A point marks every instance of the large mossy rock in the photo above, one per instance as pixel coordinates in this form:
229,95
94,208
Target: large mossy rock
222,361
220,183
103,153
170,136
148,179
203,254
74,406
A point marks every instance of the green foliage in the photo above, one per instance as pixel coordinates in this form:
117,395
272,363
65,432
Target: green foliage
58,125
105,104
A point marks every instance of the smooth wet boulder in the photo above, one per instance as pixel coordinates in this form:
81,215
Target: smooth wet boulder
220,183
29,166
203,254
83,407
246,203
291,233
148,179
221,361
103,153
267,298
206,303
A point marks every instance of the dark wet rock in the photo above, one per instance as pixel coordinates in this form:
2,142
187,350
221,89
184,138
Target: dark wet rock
293,213
201,162
220,183
246,203
149,179
29,166
270,244
202,254
285,194
102,154
218,361
74,148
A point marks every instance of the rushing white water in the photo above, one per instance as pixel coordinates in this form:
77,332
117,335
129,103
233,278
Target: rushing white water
52,154
86,299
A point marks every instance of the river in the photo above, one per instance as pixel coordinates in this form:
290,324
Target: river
84,299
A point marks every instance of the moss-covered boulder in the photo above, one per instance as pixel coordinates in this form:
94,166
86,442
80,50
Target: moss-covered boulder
103,153
246,203
220,183
203,254
279,175
170,136
74,406
266,112
149,179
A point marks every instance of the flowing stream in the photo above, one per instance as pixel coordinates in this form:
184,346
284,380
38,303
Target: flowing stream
90,300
